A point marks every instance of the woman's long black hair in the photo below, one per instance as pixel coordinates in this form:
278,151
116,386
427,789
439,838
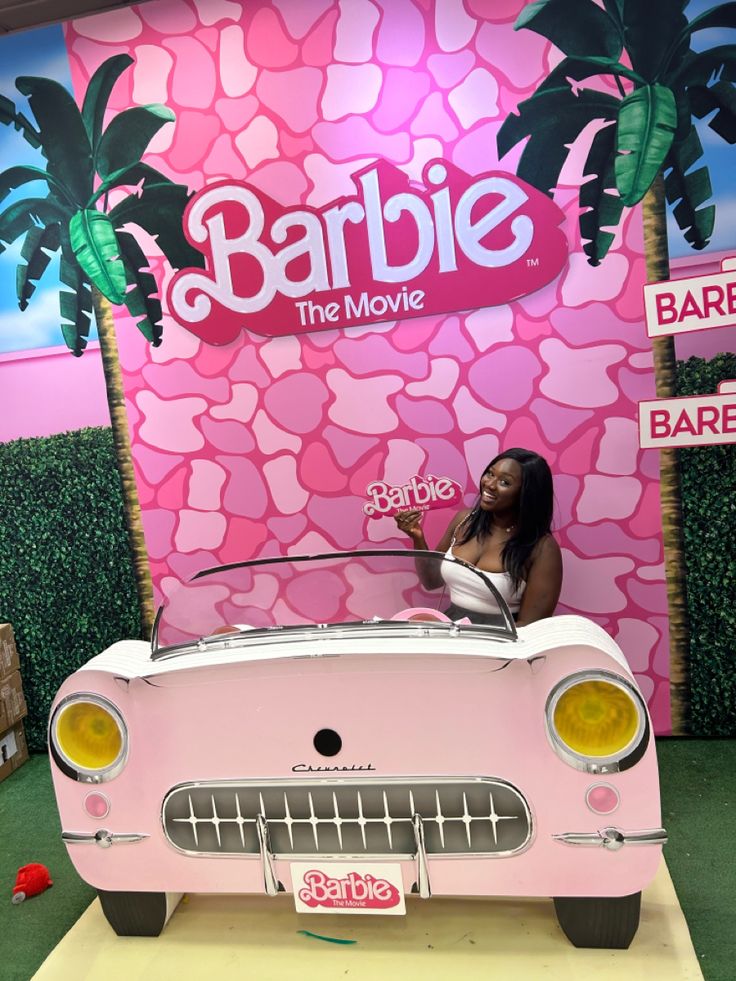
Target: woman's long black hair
534,521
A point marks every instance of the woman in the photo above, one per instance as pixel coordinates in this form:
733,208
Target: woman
506,536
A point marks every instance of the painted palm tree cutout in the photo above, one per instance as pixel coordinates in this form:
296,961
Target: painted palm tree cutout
648,129
101,263
647,149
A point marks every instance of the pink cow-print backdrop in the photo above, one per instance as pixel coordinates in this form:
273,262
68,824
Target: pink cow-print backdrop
266,446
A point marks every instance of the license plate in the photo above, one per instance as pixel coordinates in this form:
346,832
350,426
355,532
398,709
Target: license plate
347,887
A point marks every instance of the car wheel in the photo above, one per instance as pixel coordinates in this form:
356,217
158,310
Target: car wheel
138,914
610,921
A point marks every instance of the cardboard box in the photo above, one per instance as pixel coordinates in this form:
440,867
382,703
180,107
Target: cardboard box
8,654
13,750
13,706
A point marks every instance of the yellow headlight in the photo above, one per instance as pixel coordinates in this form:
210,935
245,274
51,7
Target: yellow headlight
89,735
597,718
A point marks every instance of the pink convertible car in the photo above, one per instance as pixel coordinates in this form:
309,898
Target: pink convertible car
316,725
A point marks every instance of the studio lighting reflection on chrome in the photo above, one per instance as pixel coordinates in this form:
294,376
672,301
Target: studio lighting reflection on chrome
103,837
613,839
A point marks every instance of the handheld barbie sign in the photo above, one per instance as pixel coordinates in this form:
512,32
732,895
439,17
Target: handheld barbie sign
392,251
418,494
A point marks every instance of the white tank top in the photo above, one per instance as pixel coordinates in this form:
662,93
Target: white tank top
469,592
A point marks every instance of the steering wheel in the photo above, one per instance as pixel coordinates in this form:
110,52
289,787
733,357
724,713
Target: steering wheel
422,613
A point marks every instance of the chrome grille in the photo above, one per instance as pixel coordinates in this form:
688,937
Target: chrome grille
337,817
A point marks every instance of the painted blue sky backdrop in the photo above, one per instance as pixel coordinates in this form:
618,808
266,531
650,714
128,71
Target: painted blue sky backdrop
42,52
39,52
718,156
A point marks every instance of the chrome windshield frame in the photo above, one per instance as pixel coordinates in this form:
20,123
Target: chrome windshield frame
330,633
505,631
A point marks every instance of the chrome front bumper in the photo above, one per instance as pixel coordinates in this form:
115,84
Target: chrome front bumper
610,838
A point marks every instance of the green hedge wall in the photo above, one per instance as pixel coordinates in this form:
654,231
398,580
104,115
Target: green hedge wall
709,526
66,581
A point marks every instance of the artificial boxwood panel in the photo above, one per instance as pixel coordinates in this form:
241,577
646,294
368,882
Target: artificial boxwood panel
66,580
709,527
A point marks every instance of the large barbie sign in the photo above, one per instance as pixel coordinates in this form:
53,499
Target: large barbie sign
392,251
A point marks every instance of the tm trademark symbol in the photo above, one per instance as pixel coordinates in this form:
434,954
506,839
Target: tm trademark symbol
532,262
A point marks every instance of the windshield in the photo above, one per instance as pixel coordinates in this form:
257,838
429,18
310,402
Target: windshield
365,586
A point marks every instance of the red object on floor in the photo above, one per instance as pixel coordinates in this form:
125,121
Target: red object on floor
31,880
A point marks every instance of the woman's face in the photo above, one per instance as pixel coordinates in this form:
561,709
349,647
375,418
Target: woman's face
500,486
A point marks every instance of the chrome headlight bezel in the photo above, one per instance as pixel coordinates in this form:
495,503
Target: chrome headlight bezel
70,767
628,755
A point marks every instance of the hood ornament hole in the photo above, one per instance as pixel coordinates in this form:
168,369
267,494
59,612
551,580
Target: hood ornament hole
327,742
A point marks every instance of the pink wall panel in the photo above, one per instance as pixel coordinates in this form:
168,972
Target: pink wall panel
266,446
48,391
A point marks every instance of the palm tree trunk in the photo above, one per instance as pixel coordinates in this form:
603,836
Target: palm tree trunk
123,456
663,350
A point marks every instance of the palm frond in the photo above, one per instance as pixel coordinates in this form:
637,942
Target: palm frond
25,214
127,136
98,93
553,119
159,210
131,176
723,15
541,162
580,68
615,10
721,97
141,300
10,116
15,177
653,35
716,64
576,27
688,189
75,305
39,245
95,246
602,207
646,127
554,109
64,140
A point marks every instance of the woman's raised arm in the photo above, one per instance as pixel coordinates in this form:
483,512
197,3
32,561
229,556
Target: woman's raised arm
410,522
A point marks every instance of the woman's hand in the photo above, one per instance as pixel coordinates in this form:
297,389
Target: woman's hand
410,522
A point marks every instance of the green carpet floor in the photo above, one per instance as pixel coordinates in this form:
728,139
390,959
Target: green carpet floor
30,832
698,780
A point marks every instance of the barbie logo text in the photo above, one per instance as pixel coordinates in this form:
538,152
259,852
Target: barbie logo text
419,494
353,891
393,249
